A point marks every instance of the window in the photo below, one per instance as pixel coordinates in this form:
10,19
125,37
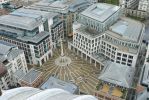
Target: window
124,55
131,57
123,59
112,60
123,63
130,61
117,61
119,54
129,64
118,58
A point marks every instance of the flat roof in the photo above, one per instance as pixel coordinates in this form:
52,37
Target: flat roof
27,19
128,28
117,74
53,82
31,76
36,38
37,13
21,21
100,11
123,48
86,30
60,5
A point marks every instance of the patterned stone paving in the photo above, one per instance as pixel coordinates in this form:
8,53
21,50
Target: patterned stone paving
78,71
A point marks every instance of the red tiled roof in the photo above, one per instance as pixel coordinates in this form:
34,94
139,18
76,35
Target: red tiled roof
139,88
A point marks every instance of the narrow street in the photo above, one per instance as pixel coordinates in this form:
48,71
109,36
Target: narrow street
139,66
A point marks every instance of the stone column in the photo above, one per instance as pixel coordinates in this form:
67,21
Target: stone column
81,55
90,60
95,63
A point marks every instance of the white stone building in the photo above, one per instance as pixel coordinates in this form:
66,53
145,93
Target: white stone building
35,32
119,42
13,59
128,3
68,9
100,16
144,5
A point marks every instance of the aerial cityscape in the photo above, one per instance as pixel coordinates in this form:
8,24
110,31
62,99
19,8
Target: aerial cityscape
74,49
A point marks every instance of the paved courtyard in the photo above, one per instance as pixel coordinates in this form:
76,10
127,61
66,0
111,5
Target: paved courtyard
77,71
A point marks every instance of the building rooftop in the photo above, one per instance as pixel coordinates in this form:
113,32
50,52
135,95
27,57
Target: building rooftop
21,21
29,93
56,83
31,76
5,47
25,18
19,74
128,29
63,6
8,51
100,11
117,74
36,38
44,14
86,30
128,49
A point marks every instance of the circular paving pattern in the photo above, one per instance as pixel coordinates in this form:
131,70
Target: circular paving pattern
75,70
62,61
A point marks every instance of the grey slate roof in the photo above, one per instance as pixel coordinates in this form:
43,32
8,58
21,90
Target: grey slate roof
117,74
100,11
56,83
26,18
60,6
31,76
35,39
19,74
8,51
128,28
21,21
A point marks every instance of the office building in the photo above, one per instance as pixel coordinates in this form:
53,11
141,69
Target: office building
12,60
129,3
118,39
115,81
68,9
100,16
144,5
32,31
